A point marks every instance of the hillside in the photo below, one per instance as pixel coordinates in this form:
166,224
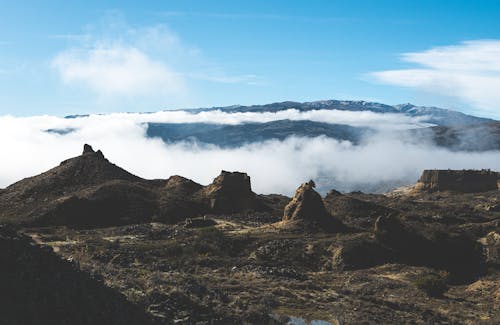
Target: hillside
178,252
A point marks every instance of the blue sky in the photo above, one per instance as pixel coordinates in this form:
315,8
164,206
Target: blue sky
68,57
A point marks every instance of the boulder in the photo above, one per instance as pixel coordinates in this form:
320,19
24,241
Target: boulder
491,244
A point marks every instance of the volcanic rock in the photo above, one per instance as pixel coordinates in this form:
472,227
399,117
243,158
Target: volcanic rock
307,206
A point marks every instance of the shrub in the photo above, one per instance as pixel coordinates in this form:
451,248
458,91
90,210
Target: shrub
433,285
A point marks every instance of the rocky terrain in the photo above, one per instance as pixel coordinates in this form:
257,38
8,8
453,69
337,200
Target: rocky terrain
96,244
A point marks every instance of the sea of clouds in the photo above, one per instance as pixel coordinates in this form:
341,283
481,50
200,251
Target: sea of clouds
274,166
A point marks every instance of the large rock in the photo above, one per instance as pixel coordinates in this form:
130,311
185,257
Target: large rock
491,244
464,181
307,207
230,192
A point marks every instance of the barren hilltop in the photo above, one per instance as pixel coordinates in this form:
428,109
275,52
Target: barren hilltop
126,250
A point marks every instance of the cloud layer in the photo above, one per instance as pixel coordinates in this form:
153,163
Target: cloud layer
384,121
275,166
469,72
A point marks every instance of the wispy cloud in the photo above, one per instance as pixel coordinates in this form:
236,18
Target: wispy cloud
118,70
113,59
381,121
469,72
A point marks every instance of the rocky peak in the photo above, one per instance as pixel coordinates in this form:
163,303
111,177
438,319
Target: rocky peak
88,150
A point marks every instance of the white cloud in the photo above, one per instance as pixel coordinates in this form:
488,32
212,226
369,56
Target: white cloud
118,70
114,60
275,166
469,72
382,121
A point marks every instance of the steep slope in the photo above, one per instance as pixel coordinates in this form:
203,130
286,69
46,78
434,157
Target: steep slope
38,287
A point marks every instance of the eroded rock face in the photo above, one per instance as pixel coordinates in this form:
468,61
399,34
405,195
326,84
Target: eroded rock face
230,192
307,206
464,181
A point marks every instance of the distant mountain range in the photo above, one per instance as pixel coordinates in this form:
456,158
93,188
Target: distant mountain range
451,129
438,116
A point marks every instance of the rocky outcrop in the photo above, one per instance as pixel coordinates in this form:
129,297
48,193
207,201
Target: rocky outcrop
38,287
230,192
307,207
464,181
491,244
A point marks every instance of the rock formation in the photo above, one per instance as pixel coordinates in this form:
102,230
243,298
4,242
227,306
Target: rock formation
90,191
491,243
230,192
307,207
464,181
